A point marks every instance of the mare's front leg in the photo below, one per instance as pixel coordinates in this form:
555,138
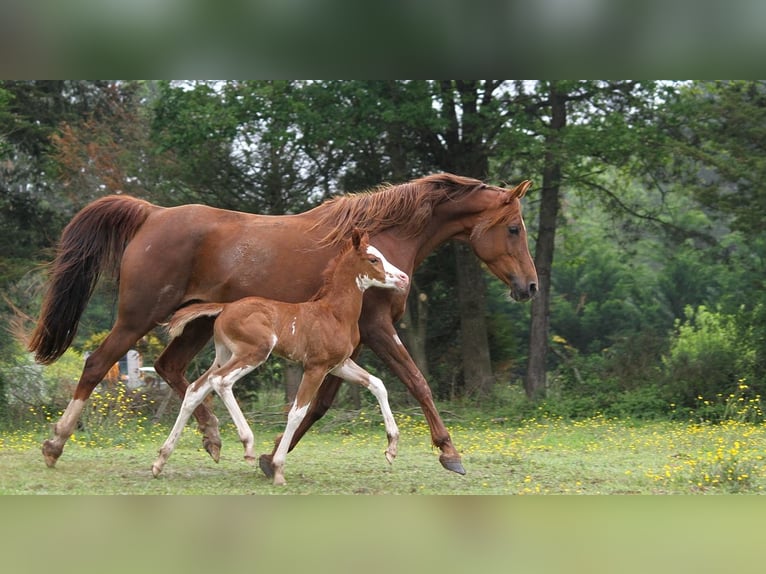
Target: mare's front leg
353,373
171,366
379,334
193,397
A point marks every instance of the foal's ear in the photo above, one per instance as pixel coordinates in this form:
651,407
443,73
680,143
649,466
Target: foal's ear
358,239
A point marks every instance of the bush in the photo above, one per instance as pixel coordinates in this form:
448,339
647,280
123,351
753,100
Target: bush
28,384
709,356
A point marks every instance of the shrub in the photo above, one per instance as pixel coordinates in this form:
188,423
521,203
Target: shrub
710,354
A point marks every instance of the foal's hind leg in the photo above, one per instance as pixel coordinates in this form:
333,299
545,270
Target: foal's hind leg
353,373
223,386
194,396
171,366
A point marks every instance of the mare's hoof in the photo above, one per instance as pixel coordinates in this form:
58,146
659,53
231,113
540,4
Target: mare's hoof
249,459
264,463
452,464
51,453
212,447
156,470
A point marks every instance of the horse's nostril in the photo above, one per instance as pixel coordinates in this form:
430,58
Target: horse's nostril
532,288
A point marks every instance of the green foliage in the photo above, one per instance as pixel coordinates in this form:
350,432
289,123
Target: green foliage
722,138
28,384
709,356
661,210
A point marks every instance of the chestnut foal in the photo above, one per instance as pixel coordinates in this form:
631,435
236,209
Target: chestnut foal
321,334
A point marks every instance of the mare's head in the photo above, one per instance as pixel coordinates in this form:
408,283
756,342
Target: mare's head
499,239
371,268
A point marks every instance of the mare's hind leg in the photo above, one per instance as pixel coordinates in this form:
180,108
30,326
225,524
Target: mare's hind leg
353,373
171,365
194,396
96,366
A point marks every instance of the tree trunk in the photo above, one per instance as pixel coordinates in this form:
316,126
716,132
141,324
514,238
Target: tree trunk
466,153
413,328
293,374
535,382
477,367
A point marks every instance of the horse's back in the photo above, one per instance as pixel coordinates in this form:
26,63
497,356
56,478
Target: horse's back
200,253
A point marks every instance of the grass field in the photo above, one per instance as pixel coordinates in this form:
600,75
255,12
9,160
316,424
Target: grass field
540,456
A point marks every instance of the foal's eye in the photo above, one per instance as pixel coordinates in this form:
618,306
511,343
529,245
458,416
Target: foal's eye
374,260
513,229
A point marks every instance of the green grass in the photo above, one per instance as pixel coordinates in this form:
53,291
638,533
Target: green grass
541,456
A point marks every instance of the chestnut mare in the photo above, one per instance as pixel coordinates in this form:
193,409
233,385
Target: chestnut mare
320,334
169,257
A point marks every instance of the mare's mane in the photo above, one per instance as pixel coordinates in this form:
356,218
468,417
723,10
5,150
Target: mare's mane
409,205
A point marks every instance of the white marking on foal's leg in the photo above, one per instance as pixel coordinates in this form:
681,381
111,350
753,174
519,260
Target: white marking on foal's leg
223,386
353,373
294,419
378,389
193,398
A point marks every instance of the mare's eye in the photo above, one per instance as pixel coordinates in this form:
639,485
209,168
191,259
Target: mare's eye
513,229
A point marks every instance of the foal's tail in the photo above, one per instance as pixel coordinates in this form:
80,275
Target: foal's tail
186,315
92,243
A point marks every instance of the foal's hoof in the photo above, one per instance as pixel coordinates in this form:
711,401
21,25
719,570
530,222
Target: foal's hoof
213,447
156,470
51,453
264,463
452,464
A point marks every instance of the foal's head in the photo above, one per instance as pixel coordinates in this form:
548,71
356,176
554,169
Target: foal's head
371,268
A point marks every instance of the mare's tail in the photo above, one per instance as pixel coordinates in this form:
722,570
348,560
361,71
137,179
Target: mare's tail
186,315
92,243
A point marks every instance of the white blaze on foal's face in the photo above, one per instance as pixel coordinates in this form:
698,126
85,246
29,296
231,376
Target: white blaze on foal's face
395,277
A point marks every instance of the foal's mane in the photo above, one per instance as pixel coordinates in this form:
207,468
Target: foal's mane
329,271
409,205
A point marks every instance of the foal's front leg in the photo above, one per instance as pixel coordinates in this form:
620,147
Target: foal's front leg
306,392
353,373
171,366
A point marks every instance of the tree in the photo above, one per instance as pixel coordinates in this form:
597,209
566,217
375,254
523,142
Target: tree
719,131
470,120
574,130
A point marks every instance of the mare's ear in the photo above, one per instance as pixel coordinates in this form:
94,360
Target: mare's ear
519,191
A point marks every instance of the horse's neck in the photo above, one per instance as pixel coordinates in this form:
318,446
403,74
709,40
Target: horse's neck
440,230
343,295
